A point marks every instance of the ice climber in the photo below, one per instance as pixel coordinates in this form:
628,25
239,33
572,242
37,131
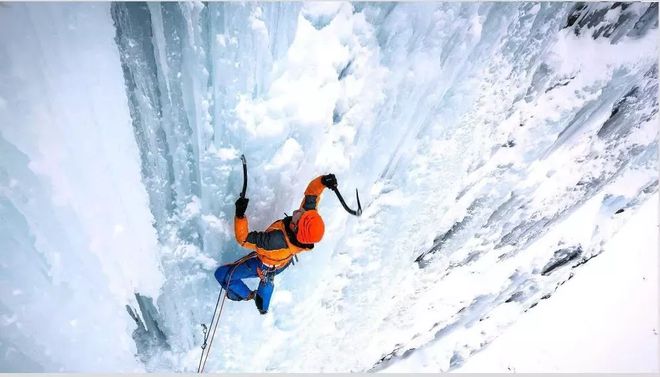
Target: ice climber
273,248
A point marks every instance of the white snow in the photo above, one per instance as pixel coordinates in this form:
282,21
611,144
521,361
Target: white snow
605,319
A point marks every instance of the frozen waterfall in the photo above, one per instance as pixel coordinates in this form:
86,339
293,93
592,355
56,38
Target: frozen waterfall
496,147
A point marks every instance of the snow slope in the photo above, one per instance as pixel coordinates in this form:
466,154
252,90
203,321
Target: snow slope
603,320
497,148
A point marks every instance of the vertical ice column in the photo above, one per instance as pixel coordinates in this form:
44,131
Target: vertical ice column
77,239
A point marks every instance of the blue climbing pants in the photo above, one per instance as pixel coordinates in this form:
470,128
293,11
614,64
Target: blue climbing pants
230,276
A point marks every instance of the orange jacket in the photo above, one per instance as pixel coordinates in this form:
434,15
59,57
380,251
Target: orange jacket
278,244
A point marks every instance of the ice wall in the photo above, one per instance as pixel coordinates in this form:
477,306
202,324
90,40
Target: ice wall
473,129
76,235
496,147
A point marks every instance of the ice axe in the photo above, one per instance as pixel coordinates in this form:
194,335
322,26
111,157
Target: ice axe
244,176
343,203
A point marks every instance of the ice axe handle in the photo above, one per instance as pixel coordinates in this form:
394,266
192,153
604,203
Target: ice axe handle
244,176
343,203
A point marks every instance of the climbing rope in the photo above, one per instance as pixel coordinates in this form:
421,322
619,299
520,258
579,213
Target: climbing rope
202,365
202,359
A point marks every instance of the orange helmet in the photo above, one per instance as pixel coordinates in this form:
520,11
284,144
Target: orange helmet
310,227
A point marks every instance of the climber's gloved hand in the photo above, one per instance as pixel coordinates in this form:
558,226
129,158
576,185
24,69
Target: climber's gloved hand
329,181
241,206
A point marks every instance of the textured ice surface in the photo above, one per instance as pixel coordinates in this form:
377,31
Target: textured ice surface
496,147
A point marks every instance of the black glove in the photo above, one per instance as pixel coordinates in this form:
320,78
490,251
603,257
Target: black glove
329,181
241,206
